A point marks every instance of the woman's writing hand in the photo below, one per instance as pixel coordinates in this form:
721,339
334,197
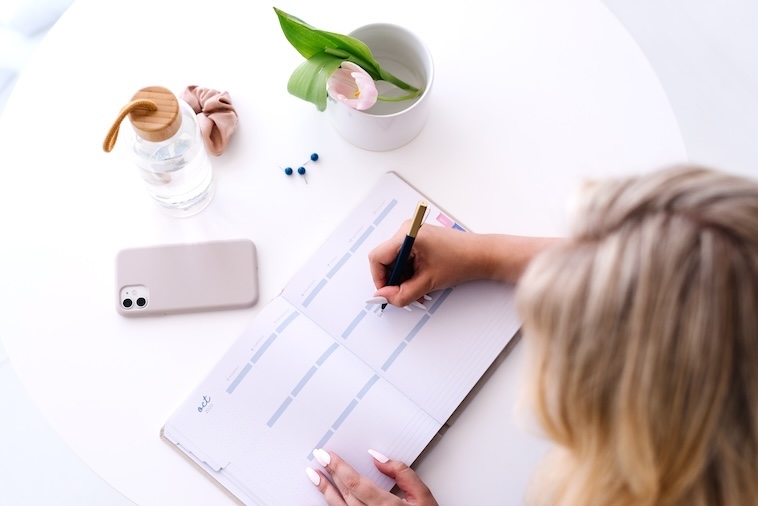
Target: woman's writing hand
436,262
444,257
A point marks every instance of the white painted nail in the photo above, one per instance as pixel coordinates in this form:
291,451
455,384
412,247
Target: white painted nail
426,297
376,300
322,457
407,308
418,304
313,476
378,456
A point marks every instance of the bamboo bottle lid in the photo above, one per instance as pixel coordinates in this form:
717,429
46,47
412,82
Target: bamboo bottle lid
158,125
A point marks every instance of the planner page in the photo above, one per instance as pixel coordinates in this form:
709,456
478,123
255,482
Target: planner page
434,354
283,389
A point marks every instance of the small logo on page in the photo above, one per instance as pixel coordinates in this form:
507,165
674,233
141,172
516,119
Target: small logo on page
205,405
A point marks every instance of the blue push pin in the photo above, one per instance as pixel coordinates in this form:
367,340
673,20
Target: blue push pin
301,171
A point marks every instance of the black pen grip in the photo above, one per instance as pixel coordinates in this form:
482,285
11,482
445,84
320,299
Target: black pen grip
401,261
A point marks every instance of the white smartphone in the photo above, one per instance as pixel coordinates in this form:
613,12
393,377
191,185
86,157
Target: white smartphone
181,278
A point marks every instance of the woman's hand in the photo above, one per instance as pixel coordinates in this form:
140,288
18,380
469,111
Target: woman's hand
351,488
435,263
444,257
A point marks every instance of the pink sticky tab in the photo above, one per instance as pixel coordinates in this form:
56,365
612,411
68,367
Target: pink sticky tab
444,220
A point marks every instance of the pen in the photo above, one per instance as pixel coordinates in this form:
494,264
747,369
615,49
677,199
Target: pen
405,250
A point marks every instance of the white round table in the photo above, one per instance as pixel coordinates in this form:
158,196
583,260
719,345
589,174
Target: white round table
531,97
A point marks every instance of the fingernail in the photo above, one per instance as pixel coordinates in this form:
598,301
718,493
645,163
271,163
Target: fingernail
407,308
313,476
426,297
378,456
418,304
376,300
322,457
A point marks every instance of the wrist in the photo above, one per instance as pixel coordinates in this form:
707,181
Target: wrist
481,257
505,257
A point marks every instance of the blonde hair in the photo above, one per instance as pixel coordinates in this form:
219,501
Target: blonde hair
642,331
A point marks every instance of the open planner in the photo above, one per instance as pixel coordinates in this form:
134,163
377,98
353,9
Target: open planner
319,368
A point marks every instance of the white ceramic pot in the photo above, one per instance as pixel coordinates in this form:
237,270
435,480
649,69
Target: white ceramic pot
389,125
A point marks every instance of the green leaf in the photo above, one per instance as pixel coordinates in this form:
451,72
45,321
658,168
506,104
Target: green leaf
309,41
308,81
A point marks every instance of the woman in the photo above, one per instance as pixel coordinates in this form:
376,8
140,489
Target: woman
642,334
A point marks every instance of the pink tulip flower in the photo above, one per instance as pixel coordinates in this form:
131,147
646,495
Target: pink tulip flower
352,86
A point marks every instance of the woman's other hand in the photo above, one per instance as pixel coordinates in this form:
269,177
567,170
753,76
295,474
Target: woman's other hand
351,488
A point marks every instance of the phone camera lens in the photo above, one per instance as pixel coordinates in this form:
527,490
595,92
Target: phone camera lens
127,303
141,302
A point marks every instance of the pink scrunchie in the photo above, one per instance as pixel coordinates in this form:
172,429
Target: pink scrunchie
216,115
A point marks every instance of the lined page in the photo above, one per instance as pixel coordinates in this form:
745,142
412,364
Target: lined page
434,355
285,388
